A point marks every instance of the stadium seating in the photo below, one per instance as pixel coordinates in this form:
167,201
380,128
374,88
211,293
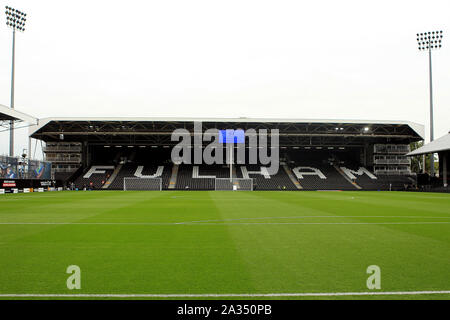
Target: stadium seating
317,171
94,177
393,182
279,181
368,181
319,176
130,170
314,170
200,177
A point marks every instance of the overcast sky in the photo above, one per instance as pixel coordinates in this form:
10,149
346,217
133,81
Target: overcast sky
301,59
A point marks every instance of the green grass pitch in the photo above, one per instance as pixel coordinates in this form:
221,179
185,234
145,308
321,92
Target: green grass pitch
187,242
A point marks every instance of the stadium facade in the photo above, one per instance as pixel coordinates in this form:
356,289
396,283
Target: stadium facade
314,154
320,154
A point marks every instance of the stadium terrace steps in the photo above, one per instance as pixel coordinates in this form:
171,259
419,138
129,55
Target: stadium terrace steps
379,182
346,177
113,177
94,177
292,177
233,172
320,176
173,177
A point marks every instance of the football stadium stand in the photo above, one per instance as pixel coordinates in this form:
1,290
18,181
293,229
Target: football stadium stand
98,153
94,178
263,181
311,171
130,170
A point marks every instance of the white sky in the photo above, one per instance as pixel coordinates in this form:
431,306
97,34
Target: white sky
300,59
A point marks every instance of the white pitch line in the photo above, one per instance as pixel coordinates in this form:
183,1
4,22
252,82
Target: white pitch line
88,223
221,295
303,217
219,223
313,223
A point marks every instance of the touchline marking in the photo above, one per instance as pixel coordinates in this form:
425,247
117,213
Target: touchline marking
218,223
303,217
219,295
310,223
88,223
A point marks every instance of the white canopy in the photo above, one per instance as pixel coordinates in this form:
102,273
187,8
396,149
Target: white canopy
7,113
438,145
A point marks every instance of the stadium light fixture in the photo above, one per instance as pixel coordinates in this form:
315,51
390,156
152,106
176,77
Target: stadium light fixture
15,20
428,41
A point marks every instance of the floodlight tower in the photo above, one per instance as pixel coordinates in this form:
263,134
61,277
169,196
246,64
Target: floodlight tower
15,19
429,41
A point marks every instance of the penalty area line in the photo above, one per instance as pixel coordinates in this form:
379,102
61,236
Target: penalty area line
223,295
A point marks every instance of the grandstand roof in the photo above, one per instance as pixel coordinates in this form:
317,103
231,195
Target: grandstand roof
157,130
7,114
438,145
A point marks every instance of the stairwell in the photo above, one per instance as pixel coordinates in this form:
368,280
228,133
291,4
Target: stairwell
292,177
233,170
347,178
132,156
173,177
112,177
234,175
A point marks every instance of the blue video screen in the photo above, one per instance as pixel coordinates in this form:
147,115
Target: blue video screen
232,136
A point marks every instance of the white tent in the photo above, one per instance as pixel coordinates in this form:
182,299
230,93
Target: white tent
442,146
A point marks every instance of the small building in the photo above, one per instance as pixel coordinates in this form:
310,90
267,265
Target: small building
440,146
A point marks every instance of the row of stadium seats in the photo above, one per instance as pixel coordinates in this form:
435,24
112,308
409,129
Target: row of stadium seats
319,176
130,170
279,181
94,178
368,181
203,178
311,174
206,176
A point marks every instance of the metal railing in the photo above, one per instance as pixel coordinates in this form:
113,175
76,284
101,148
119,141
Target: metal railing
392,172
62,149
392,161
392,148
62,159
59,170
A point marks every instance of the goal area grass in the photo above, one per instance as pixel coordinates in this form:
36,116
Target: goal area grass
225,245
